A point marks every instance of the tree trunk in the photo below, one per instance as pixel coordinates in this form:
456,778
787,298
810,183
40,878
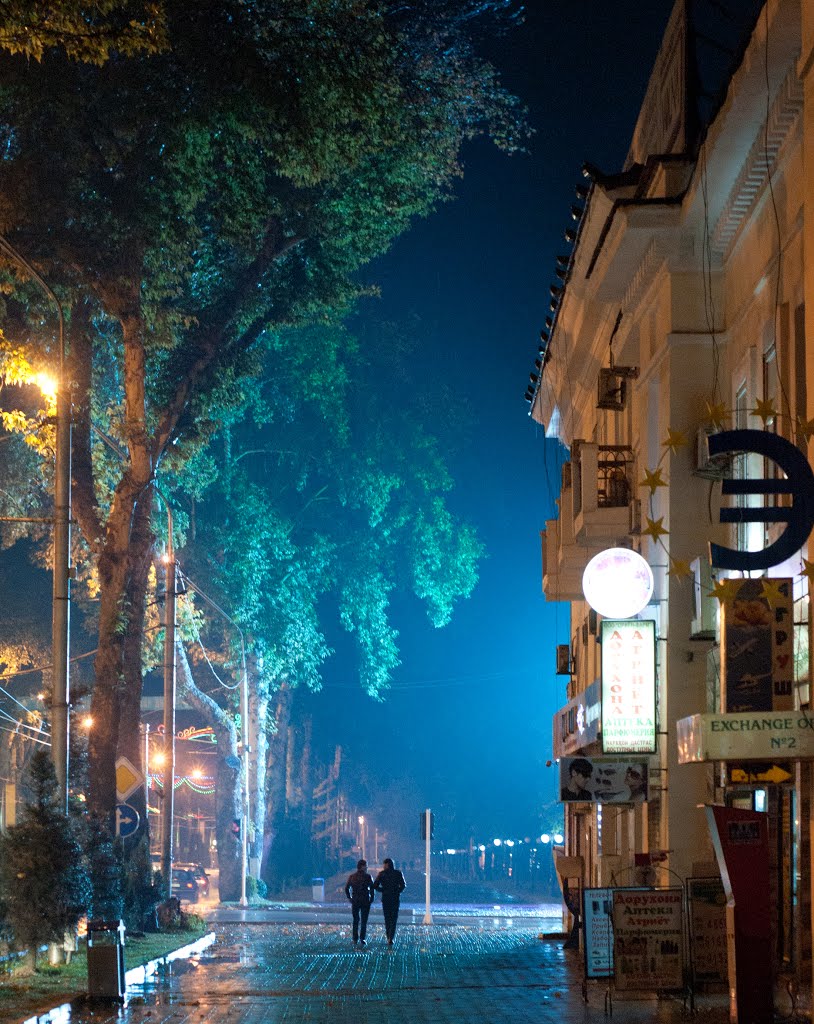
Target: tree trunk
276,775
258,741
227,780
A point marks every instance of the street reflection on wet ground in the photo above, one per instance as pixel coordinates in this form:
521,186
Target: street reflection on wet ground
298,973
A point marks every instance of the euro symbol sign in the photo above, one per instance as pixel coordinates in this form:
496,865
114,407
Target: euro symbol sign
799,514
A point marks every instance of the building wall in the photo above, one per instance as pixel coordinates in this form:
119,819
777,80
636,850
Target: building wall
712,299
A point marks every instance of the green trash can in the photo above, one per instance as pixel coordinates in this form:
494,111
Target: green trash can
106,960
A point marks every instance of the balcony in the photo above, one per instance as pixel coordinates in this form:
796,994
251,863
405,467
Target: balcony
597,510
605,509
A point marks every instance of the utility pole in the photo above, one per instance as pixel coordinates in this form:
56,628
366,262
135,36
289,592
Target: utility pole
428,863
61,595
61,611
168,809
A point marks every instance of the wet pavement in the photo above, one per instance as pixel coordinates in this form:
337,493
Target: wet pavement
480,967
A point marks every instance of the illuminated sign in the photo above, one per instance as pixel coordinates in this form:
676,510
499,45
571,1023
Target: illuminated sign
576,725
617,583
757,646
628,686
798,514
745,737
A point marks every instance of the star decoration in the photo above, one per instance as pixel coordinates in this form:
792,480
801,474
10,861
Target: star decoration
654,528
716,414
770,592
808,571
679,569
765,410
805,429
674,440
653,480
723,589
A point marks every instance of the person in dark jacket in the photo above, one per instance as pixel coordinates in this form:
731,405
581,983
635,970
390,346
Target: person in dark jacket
359,890
390,883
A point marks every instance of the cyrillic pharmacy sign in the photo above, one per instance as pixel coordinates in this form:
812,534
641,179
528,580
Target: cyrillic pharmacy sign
628,686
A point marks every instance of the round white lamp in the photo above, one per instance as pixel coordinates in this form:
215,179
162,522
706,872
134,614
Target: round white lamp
617,583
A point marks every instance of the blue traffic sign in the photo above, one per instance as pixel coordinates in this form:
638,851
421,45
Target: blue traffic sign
127,820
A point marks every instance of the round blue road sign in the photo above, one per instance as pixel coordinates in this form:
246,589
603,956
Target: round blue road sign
127,820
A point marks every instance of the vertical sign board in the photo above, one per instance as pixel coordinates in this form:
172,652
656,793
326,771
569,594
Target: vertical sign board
707,913
628,686
648,939
757,646
597,935
597,932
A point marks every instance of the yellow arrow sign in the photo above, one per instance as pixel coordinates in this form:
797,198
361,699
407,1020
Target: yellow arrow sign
774,773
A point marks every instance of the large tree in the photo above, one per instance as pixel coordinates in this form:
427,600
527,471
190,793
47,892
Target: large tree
184,204
330,499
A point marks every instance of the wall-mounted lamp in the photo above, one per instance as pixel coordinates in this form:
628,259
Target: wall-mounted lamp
577,212
570,235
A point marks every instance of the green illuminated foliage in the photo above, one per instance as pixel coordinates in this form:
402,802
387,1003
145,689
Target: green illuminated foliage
190,204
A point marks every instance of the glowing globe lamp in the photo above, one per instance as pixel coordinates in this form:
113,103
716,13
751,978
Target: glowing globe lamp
617,583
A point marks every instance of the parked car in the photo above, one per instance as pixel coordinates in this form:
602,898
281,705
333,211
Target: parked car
201,877
184,885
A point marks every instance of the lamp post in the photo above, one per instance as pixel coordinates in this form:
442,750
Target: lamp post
168,816
61,605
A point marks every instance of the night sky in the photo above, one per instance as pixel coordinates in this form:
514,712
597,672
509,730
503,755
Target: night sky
466,728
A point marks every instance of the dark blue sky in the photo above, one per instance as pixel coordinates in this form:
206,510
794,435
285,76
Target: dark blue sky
467,726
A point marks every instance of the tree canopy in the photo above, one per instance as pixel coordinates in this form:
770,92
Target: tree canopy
189,207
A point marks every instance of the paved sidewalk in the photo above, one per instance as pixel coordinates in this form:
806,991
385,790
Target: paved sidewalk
438,974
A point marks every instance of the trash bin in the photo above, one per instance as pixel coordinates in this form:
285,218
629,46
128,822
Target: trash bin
106,959
318,890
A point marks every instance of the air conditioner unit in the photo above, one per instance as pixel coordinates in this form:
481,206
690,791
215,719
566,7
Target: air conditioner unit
563,660
704,620
711,467
612,386
611,391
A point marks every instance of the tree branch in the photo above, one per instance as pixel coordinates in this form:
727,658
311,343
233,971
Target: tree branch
212,342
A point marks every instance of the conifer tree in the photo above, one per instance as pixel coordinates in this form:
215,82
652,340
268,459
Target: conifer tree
43,878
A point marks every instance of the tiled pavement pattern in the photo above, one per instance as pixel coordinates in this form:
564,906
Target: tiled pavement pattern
269,973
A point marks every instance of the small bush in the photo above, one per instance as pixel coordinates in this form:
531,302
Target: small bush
256,888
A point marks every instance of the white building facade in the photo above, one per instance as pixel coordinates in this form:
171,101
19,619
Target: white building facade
686,308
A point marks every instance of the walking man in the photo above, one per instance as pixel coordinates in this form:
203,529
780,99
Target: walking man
359,890
390,883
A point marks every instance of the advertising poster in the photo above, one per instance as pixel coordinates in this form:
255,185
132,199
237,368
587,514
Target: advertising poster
597,933
757,645
628,686
647,939
707,913
603,780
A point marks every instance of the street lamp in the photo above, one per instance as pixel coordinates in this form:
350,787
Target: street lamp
61,605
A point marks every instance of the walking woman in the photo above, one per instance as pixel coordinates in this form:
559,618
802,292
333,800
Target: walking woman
390,883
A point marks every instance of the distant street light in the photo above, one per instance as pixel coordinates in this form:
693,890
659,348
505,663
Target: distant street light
61,605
